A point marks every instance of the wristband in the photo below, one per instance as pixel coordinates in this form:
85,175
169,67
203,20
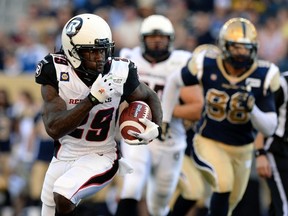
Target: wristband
93,99
259,152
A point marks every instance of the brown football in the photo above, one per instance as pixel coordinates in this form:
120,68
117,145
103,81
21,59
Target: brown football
129,118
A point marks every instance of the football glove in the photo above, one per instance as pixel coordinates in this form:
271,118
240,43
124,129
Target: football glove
247,99
101,89
165,132
151,132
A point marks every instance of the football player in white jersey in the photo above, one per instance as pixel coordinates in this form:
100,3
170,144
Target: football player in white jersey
82,88
158,167
239,100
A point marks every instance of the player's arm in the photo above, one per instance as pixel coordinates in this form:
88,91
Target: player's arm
193,102
135,90
144,93
57,119
186,77
171,90
262,163
264,122
263,114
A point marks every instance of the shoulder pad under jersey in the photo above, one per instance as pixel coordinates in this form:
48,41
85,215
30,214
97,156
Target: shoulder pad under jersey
47,60
195,64
272,78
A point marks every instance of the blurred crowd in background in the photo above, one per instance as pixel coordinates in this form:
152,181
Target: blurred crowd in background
36,30
39,24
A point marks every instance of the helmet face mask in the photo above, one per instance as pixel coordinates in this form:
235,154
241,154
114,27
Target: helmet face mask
87,33
235,33
157,25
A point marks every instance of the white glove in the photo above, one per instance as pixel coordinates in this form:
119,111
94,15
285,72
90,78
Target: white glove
150,133
101,89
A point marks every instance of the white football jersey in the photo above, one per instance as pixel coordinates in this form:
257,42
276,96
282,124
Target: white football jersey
155,75
97,131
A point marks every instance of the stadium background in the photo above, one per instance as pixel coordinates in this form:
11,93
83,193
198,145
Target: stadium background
31,28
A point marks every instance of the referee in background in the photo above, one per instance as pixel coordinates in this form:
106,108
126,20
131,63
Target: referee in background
272,154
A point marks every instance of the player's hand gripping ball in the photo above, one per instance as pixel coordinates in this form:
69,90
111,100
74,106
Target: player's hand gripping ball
129,119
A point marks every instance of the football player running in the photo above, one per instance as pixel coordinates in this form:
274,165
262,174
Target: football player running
82,87
238,91
157,165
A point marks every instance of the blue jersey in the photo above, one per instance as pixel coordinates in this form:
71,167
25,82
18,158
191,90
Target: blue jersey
224,118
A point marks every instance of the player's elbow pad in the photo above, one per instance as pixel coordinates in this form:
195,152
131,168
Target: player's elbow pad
265,122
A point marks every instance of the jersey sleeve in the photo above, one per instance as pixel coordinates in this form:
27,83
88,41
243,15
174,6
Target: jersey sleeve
271,84
46,73
132,81
188,77
171,93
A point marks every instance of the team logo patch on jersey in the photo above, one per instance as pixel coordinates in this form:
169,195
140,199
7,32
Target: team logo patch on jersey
213,77
64,76
256,83
38,69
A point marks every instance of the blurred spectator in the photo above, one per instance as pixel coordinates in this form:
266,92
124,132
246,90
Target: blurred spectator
117,12
55,4
201,25
42,145
6,131
39,19
11,65
282,17
191,41
200,5
8,62
23,110
89,6
3,40
219,16
126,34
146,8
272,44
243,5
178,13
30,52
63,14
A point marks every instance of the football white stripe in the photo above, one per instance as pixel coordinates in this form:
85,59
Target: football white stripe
133,124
